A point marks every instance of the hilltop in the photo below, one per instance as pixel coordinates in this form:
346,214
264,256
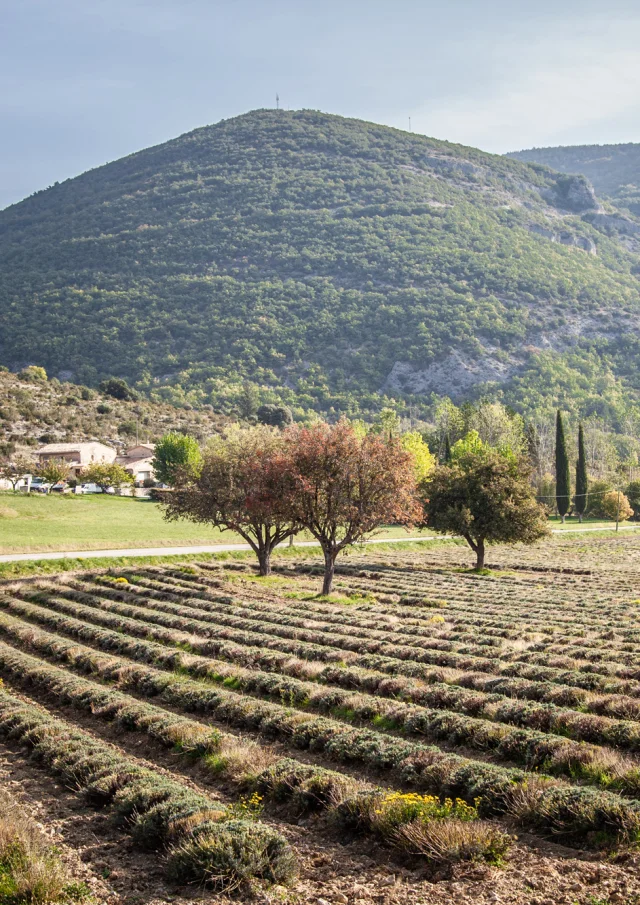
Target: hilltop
33,412
613,170
329,263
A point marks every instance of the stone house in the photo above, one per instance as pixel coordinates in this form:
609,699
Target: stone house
77,455
138,461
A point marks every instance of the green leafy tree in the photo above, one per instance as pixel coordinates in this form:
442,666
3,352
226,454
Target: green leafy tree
275,415
15,468
563,477
423,460
108,474
582,480
118,388
597,492
54,471
360,427
498,427
486,498
470,444
175,454
451,424
387,423
447,449
249,401
633,495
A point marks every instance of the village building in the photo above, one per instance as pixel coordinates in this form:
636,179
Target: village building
78,456
138,460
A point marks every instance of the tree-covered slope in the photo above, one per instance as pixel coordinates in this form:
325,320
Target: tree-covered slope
614,170
329,262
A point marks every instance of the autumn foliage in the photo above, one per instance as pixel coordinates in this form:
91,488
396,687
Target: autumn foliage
344,486
243,485
616,506
341,484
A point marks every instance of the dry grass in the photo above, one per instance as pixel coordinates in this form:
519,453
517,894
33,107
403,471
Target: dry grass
452,840
239,759
31,870
8,512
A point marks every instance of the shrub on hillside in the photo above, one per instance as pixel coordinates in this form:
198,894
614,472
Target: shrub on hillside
118,389
33,373
275,415
128,428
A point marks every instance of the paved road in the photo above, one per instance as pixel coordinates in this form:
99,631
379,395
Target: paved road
228,548
175,551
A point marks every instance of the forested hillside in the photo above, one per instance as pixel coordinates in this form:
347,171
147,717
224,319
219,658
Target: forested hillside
34,410
328,263
614,170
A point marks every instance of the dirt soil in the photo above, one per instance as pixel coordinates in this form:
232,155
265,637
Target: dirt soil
330,872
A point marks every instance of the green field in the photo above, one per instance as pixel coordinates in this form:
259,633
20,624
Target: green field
572,524
38,523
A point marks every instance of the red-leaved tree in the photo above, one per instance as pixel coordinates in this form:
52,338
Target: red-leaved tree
242,485
344,487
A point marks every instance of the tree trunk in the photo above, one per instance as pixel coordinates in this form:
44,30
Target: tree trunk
264,561
563,516
480,555
580,517
329,570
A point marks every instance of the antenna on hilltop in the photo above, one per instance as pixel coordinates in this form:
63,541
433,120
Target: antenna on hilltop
277,101
409,124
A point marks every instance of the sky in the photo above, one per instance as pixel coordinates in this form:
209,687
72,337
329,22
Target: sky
83,82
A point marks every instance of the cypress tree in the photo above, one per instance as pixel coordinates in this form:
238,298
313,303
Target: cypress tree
563,477
582,480
447,449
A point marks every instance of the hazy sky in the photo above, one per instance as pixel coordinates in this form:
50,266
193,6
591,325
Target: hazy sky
87,81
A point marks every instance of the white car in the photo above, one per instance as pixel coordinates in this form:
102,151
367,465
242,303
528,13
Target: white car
93,488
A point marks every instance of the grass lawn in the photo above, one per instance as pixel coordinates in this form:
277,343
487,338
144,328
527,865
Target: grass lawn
38,522
571,523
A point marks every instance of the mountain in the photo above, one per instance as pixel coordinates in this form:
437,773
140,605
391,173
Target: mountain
329,263
613,170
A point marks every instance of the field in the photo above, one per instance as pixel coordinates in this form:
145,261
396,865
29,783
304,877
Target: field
40,523
425,735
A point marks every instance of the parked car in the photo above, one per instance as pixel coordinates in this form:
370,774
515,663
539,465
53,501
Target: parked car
39,485
93,488
60,487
